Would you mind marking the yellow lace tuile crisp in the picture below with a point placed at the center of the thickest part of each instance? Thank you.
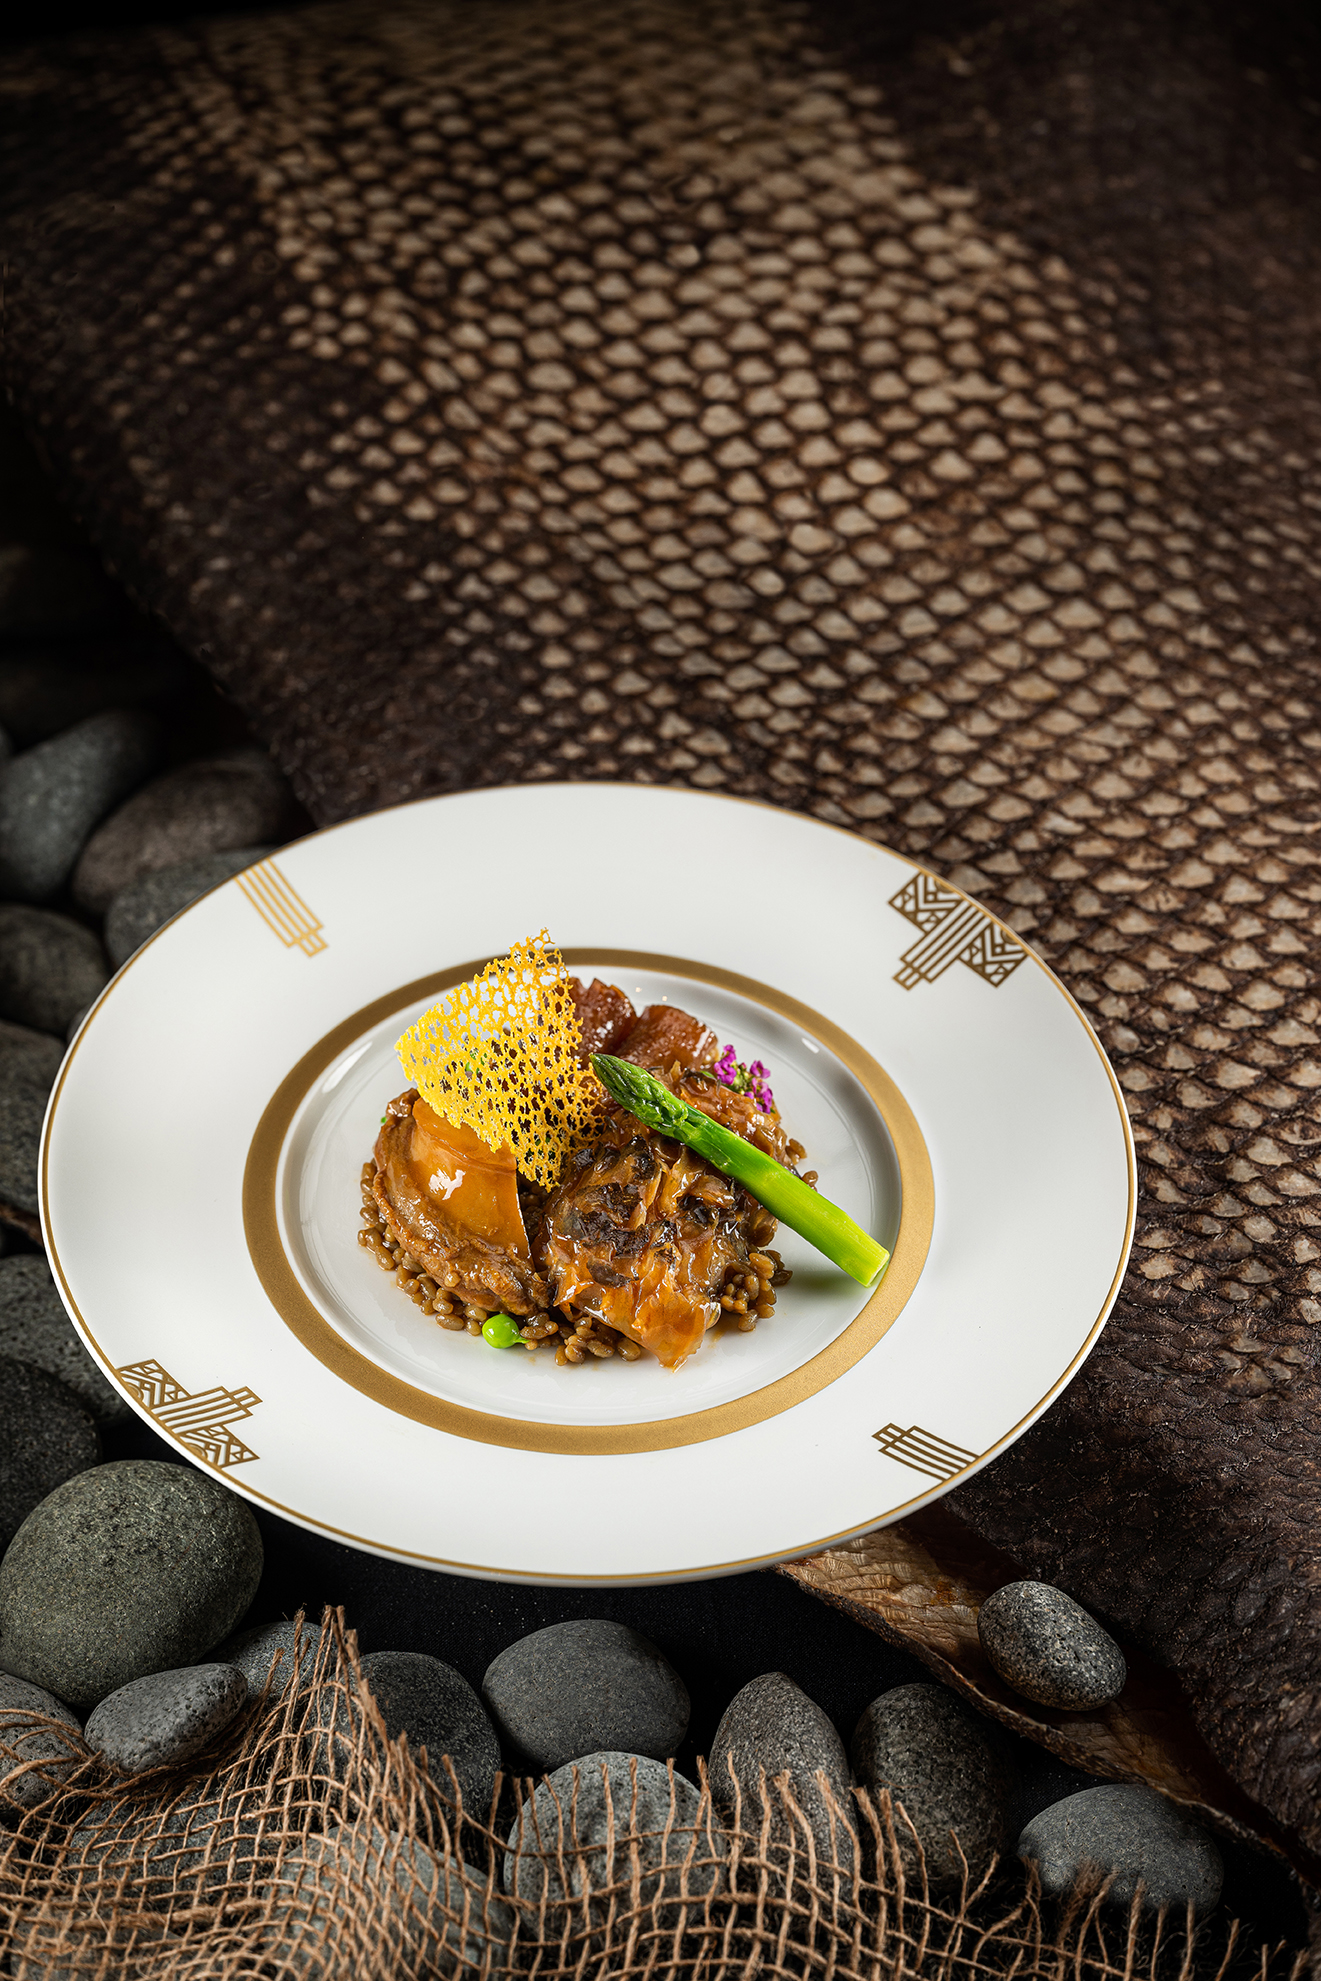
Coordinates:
(500, 1055)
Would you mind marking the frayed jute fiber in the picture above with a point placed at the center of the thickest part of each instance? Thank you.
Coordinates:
(309, 1844)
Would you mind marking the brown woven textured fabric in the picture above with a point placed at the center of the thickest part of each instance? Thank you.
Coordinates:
(521, 392)
(284, 1853)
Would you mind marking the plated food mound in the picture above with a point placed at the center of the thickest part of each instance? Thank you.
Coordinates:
(511, 1195)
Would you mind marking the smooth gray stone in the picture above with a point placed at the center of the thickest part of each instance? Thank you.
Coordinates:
(82, 1943)
(134, 1567)
(567, 1823)
(772, 1726)
(186, 1840)
(53, 794)
(212, 1840)
(34, 1328)
(212, 806)
(23, 1739)
(167, 1716)
(29, 1062)
(146, 905)
(438, 1710)
(1131, 1835)
(935, 1759)
(51, 967)
(585, 1687)
(1049, 1649)
(46, 1436)
(334, 1881)
(270, 1650)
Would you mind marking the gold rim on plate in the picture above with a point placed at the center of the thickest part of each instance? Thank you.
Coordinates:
(804, 1545)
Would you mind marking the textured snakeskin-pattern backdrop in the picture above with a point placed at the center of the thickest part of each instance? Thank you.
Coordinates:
(523, 392)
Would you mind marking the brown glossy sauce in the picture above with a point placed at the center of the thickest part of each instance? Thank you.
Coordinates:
(475, 1188)
(642, 1236)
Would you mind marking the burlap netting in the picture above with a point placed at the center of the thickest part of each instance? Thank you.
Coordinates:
(601, 390)
(309, 1845)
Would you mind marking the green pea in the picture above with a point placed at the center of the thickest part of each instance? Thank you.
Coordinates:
(501, 1330)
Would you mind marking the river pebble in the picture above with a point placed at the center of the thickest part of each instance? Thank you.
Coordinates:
(137, 1566)
(772, 1726)
(47, 1435)
(1049, 1649)
(185, 1840)
(438, 1710)
(29, 1062)
(583, 1687)
(73, 1947)
(146, 905)
(34, 1328)
(623, 1803)
(52, 795)
(51, 967)
(167, 1716)
(332, 1887)
(212, 806)
(271, 1650)
(936, 1759)
(1132, 1836)
(23, 1740)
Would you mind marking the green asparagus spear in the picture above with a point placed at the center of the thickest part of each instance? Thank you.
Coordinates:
(785, 1195)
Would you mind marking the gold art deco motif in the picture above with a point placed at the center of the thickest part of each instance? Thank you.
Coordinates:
(954, 930)
(200, 1422)
(282, 908)
(922, 1451)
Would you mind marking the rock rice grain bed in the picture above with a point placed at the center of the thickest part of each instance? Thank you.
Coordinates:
(748, 1296)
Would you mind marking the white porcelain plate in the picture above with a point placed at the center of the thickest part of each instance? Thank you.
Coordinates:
(203, 1146)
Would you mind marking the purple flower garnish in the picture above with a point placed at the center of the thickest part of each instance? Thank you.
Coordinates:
(754, 1079)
